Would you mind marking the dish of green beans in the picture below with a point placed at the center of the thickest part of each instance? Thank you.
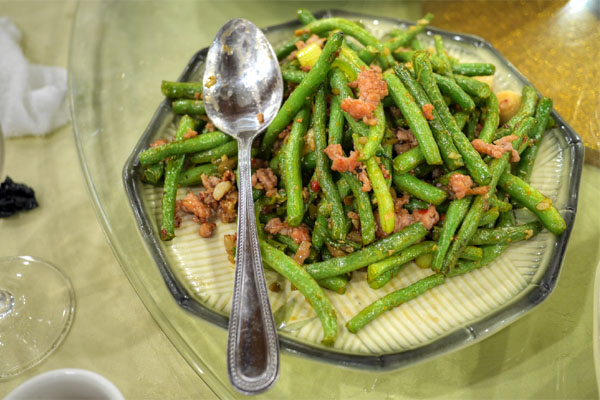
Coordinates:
(350, 236)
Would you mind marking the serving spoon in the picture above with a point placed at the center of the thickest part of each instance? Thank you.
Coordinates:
(242, 93)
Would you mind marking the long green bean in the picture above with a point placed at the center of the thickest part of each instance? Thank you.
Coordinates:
(201, 142)
(534, 200)
(292, 175)
(172, 170)
(368, 255)
(309, 288)
(323, 165)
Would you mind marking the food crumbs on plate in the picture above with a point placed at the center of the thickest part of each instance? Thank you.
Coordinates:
(260, 117)
(274, 287)
(211, 81)
(299, 120)
(428, 111)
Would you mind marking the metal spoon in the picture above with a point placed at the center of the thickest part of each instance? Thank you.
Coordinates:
(243, 89)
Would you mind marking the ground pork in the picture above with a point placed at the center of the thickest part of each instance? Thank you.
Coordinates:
(362, 176)
(428, 217)
(300, 233)
(461, 185)
(158, 142)
(428, 111)
(302, 253)
(204, 206)
(403, 218)
(190, 134)
(341, 163)
(406, 140)
(372, 88)
(265, 178)
(206, 229)
(499, 147)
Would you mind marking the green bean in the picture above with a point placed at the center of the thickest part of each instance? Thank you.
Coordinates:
(335, 283)
(293, 246)
(534, 200)
(441, 54)
(336, 121)
(226, 149)
(416, 44)
(450, 88)
(368, 255)
(306, 88)
(363, 204)
(390, 263)
(193, 145)
(404, 38)
(293, 75)
(472, 253)
(193, 176)
(187, 106)
(489, 217)
(172, 170)
(414, 116)
(319, 231)
(474, 69)
(528, 101)
(454, 216)
(382, 279)
(478, 170)
(375, 135)
(309, 161)
(385, 203)
(292, 175)
(416, 204)
(508, 234)
(286, 48)
(349, 62)
(343, 187)
(305, 16)
(309, 288)
(392, 300)
(473, 87)
(408, 160)
(177, 90)
(501, 205)
(461, 119)
(323, 167)
(153, 173)
(542, 115)
(403, 56)
(475, 213)
(420, 189)
(471, 129)
(452, 159)
(492, 118)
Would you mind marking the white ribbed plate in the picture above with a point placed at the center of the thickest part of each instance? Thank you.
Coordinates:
(463, 309)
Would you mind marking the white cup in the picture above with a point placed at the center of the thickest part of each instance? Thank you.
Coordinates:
(66, 383)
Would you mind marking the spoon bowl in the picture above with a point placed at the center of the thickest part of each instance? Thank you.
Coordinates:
(242, 93)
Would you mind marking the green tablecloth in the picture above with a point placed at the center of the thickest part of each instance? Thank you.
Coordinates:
(546, 354)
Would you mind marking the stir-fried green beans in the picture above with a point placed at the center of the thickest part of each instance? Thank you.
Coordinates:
(372, 163)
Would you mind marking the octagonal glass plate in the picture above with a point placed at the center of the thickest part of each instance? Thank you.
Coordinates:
(187, 282)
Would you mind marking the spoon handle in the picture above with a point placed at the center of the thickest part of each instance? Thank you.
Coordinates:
(252, 345)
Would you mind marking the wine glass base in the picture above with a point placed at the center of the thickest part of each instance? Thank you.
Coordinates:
(37, 304)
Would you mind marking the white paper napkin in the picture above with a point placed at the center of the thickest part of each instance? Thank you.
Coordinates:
(32, 96)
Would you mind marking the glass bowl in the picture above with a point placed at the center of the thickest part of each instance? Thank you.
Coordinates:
(117, 60)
